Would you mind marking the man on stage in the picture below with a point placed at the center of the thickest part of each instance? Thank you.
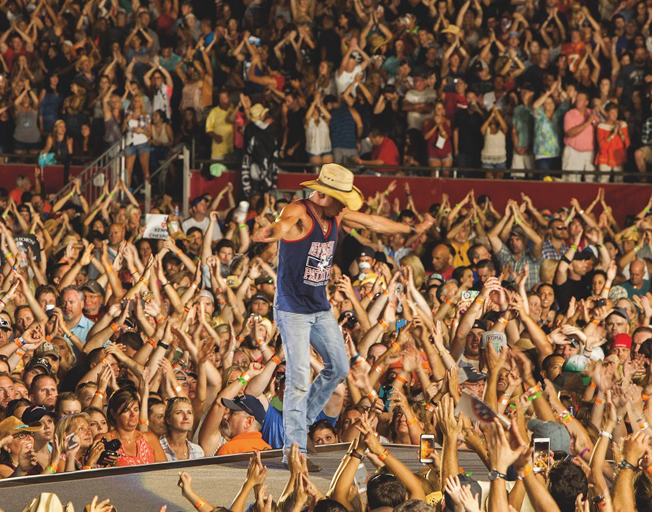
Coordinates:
(307, 230)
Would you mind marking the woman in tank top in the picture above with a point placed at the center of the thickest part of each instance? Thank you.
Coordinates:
(162, 139)
(124, 415)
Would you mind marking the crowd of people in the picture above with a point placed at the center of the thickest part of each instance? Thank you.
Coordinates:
(475, 84)
(119, 350)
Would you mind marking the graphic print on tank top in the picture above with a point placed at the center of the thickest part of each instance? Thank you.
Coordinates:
(318, 264)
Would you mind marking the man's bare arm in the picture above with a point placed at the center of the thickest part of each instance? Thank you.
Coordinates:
(378, 224)
(285, 222)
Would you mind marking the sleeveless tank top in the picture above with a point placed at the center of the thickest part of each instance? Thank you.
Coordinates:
(304, 267)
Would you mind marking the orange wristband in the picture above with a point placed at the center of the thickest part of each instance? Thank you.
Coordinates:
(401, 379)
(383, 456)
(276, 360)
(114, 327)
(382, 323)
(412, 421)
(396, 347)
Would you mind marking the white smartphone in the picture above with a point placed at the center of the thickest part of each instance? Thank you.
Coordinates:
(541, 455)
(426, 448)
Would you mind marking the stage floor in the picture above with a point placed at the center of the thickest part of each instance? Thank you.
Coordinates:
(217, 479)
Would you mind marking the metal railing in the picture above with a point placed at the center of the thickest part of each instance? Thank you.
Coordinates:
(160, 174)
(109, 166)
(454, 172)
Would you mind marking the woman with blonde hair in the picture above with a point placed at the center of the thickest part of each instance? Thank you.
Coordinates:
(179, 420)
(418, 272)
(75, 442)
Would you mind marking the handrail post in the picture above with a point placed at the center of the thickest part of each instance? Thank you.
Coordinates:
(148, 195)
(186, 181)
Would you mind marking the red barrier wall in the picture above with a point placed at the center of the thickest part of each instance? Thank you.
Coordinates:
(624, 199)
(52, 175)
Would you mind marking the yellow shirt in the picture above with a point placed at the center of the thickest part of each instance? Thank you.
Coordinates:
(461, 259)
(217, 122)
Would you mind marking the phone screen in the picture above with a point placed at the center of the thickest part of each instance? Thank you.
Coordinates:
(541, 455)
(426, 447)
(385, 393)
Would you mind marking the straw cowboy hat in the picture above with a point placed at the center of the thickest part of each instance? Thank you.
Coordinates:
(258, 112)
(48, 502)
(13, 426)
(337, 182)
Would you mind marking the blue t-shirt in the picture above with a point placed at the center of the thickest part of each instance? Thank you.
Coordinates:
(273, 432)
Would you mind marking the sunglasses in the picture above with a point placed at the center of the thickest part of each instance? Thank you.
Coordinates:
(561, 228)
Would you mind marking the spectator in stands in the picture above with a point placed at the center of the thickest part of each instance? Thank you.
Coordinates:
(613, 142)
(345, 128)
(467, 131)
(494, 151)
(579, 135)
(384, 152)
(139, 132)
(318, 138)
(438, 134)
(219, 126)
(548, 117)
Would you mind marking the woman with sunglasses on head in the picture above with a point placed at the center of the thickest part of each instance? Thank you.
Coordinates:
(74, 438)
(124, 416)
(179, 421)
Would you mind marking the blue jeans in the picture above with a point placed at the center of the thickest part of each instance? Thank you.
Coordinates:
(303, 401)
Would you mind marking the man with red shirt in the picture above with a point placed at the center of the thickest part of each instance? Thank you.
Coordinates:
(19, 44)
(384, 152)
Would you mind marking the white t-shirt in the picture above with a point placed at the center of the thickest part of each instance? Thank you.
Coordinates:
(190, 222)
(344, 79)
(416, 119)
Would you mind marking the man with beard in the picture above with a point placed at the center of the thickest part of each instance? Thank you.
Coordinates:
(244, 418)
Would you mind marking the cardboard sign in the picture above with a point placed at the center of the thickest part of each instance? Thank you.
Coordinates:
(156, 226)
(25, 241)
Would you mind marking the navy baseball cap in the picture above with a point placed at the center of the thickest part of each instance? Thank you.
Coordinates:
(246, 403)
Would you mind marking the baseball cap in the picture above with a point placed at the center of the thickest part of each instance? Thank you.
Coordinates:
(34, 413)
(620, 312)
(197, 200)
(436, 277)
(367, 251)
(558, 434)
(517, 231)
(246, 403)
(4, 324)
(259, 296)
(94, 287)
(583, 255)
(479, 324)
(576, 363)
(40, 362)
(47, 349)
(622, 340)
(208, 295)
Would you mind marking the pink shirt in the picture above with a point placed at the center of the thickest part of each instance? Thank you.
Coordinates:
(584, 141)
